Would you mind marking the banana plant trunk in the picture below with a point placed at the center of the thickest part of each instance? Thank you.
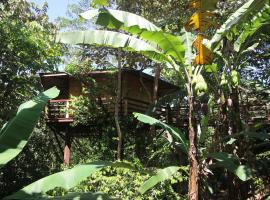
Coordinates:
(193, 189)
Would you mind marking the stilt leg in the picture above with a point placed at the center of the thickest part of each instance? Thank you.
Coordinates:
(67, 148)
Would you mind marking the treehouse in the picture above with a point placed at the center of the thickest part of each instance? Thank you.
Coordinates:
(136, 92)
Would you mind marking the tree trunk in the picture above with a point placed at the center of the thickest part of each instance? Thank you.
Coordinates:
(193, 190)
(116, 110)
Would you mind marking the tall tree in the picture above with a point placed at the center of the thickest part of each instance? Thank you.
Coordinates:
(26, 49)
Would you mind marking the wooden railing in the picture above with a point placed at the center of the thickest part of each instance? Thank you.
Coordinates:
(130, 105)
(58, 111)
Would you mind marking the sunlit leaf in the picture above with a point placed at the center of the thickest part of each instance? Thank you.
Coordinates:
(66, 179)
(141, 27)
(114, 40)
(231, 163)
(172, 130)
(187, 39)
(100, 3)
(161, 175)
(261, 19)
(238, 18)
(14, 134)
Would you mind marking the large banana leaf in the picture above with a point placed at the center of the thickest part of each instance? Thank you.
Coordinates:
(71, 196)
(137, 25)
(65, 179)
(14, 134)
(260, 19)
(116, 19)
(237, 19)
(187, 38)
(161, 175)
(176, 133)
(231, 163)
(114, 40)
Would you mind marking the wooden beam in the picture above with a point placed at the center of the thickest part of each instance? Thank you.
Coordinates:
(67, 148)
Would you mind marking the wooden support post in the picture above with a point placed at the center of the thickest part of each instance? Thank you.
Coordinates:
(67, 110)
(125, 107)
(168, 114)
(67, 148)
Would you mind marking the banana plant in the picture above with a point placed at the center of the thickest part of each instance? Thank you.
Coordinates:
(15, 133)
(141, 36)
(66, 179)
(221, 159)
(170, 48)
(249, 17)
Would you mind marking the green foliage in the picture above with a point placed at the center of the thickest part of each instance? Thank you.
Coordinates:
(160, 176)
(137, 25)
(116, 19)
(100, 3)
(256, 23)
(15, 133)
(230, 162)
(187, 38)
(111, 39)
(236, 20)
(124, 184)
(27, 47)
(172, 130)
(65, 179)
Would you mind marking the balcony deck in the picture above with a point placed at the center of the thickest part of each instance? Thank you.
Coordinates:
(59, 111)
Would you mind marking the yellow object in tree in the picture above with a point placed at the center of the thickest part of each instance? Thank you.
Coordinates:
(204, 55)
(200, 21)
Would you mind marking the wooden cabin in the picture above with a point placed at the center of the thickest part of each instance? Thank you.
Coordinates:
(136, 96)
(136, 91)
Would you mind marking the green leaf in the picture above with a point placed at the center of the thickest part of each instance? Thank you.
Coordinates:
(260, 19)
(72, 196)
(66, 179)
(204, 128)
(161, 175)
(211, 68)
(238, 18)
(176, 133)
(231, 163)
(117, 19)
(260, 135)
(114, 40)
(14, 134)
(100, 3)
(137, 25)
(231, 141)
(168, 43)
(243, 172)
(187, 39)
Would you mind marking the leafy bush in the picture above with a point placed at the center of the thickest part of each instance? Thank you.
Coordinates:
(124, 184)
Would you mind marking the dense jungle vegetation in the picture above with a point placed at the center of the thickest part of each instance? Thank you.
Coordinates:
(215, 51)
